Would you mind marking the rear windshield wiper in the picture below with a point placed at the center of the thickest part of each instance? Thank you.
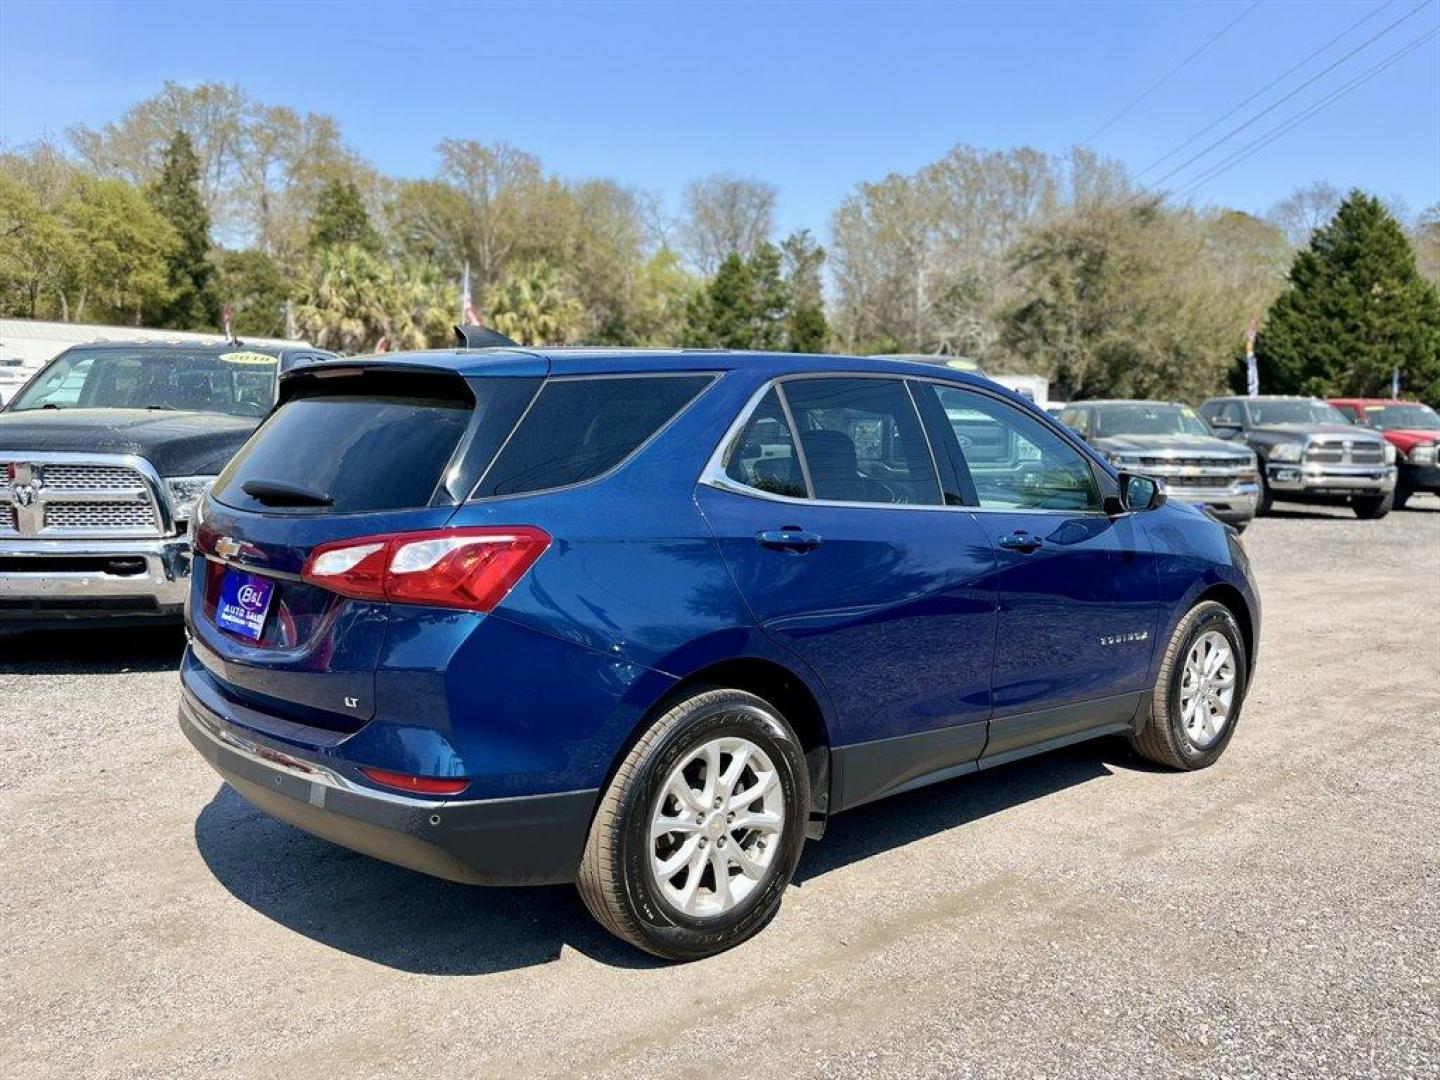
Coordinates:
(280, 493)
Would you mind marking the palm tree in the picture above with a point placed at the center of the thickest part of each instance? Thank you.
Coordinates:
(532, 306)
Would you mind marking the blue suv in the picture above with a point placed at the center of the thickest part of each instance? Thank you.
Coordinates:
(644, 620)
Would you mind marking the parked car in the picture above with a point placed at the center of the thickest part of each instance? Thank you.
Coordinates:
(1309, 452)
(1413, 428)
(645, 621)
(102, 456)
(1167, 440)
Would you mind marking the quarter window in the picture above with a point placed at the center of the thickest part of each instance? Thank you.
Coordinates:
(764, 457)
(578, 429)
(1015, 461)
(862, 441)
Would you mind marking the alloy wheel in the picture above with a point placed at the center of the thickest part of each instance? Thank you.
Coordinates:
(717, 826)
(1207, 689)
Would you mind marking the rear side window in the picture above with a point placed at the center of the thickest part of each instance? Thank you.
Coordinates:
(862, 441)
(363, 452)
(764, 457)
(578, 429)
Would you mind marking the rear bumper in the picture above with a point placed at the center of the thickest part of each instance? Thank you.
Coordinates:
(62, 581)
(1304, 479)
(530, 840)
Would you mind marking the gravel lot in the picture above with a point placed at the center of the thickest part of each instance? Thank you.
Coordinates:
(1079, 914)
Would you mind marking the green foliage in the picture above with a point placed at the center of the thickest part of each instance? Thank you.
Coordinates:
(1356, 309)
(341, 218)
(806, 330)
(743, 306)
(176, 196)
(254, 286)
(533, 307)
(350, 300)
(1133, 301)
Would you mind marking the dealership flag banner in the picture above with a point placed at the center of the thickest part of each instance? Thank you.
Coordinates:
(1252, 369)
(1395, 383)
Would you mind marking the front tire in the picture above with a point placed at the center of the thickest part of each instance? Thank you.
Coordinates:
(699, 832)
(1372, 507)
(1199, 693)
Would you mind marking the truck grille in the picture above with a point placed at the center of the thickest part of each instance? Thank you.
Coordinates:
(1196, 472)
(1345, 452)
(90, 478)
(56, 496)
(99, 516)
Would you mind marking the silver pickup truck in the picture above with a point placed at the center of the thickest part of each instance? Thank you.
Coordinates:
(1167, 440)
(103, 454)
(1309, 452)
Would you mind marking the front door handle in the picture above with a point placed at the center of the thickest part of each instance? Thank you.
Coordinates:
(1021, 541)
(789, 538)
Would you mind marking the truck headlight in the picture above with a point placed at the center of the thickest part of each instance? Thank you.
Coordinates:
(185, 492)
(1423, 455)
(1389, 452)
(1285, 452)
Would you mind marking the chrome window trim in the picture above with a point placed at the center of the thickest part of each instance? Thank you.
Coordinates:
(714, 476)
(151, 484)
(713, 376)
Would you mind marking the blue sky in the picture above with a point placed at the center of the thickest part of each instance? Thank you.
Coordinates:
(812, 97)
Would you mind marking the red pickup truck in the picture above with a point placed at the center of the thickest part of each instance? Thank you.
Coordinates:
(1413, 428)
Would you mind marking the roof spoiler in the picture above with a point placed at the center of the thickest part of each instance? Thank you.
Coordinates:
(470, 336)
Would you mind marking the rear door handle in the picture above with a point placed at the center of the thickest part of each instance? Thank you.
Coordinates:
(1021, 541)
(789, 538)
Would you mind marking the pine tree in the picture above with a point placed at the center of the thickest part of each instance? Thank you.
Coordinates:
(1356, 310)
(176, 195)
(805, 328)
(341, 218)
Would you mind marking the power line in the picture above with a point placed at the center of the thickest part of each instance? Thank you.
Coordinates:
(1264, 140)
(1168, 75)
(1282, 100)
(1263, 90)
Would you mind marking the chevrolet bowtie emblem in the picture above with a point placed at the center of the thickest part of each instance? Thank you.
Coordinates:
(227, 547)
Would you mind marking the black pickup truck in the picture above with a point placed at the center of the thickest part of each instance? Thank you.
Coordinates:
(103, 455)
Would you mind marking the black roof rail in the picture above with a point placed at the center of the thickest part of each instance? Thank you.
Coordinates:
(470, 336)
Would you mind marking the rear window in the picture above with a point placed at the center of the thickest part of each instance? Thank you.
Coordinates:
(365, 452)
(578, 429)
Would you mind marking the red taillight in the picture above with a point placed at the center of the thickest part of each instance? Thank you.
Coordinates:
(420, 785)
(461, 568)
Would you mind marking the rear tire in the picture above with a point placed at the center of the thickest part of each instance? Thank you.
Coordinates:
(674, 819)
(1372, 507)
(1187, 728)
(1403, 491)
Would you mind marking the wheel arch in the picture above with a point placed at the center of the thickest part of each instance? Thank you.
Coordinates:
(797, 700)
(1233, 599)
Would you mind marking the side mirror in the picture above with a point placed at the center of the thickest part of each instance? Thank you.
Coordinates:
(1140, 492)
(1225, 429)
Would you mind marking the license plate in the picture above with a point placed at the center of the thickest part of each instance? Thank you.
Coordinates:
(244, 602)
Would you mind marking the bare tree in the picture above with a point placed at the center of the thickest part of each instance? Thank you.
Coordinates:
(726, 215)
(1304, 210)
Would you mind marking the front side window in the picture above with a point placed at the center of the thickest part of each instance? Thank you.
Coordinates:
(237, 383)
(1079, 419)
(1294, 411)
(1015, 461)
(578, 429)
(763, 456)
(862, 441)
